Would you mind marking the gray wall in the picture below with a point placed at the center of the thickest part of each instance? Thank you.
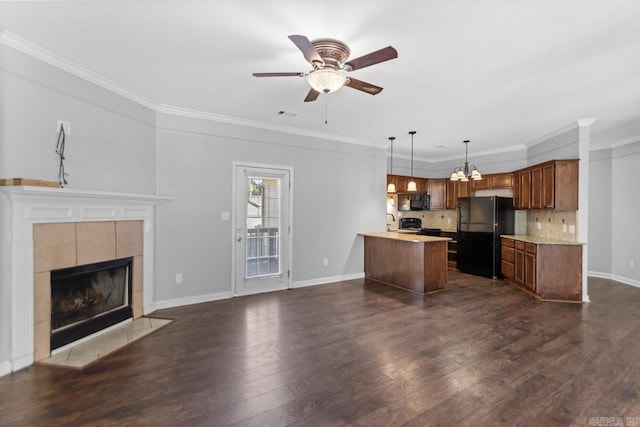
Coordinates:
(338, 191)
(625, 205)
(112, 141)
(600, 209)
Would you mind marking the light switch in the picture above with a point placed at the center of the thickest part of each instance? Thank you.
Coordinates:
(572, 229)
(225, 216)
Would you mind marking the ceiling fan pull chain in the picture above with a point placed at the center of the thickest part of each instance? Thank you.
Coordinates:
(326, 109)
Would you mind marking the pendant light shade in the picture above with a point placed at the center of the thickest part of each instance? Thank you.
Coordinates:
(411, 186)
(391, 187)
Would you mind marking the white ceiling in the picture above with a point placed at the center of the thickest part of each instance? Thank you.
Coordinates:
(498, 72)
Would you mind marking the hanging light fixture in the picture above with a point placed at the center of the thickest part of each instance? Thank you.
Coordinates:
(463, 173)
(326, 80)
(391, 188)
(412, 183)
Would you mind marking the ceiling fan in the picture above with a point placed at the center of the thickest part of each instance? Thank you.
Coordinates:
(328, 56)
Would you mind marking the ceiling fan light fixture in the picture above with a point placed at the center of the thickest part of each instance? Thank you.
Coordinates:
(326, 80)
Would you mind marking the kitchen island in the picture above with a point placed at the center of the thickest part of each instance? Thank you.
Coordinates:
(408, 261)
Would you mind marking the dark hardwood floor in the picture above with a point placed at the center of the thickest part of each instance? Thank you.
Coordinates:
(359, 353)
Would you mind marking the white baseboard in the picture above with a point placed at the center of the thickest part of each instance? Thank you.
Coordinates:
(325, 280)
(178, 302)
(5, 367)
(615, 277)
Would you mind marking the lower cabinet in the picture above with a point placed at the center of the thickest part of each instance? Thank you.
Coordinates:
(552, 271)
(452, 249)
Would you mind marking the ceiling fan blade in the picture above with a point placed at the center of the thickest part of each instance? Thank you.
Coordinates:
(312, 95)
(307, 49)
(278, 74)
(372, 58)
(363, 86)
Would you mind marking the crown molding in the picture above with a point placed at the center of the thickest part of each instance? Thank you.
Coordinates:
(35, 51)
(18, 43)
(203, 115)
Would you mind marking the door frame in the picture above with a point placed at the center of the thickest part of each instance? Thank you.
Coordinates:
(289, 264)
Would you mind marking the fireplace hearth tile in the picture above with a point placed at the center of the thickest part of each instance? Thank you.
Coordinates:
(88, 352)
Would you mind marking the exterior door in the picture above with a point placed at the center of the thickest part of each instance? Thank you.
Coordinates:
(262, 235)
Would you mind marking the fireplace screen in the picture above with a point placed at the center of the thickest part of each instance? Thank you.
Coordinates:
(82, 296)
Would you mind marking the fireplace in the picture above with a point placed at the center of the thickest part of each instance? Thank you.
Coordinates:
(89, 298)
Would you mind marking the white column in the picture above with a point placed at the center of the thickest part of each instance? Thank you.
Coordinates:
(584, 139)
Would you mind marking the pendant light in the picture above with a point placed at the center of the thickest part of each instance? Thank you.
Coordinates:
(391, 188)
(412, 183)
(463, 173)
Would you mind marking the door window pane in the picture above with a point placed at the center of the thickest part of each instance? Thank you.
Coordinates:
(263, 226)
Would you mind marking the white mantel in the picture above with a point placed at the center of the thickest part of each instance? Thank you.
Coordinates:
(20, 208)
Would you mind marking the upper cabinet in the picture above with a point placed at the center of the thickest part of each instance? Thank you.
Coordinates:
(437, 190)
(550, 185)
(491, 181)
(456, 189)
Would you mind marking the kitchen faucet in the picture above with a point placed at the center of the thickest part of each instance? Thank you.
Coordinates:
(392, 217)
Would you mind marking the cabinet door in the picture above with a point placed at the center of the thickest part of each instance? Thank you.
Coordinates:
(530, 270)
(483, 184)
(454, 190)
(501, 180)
(437, 191)
(401, 184)
(422, 185)
(517, 196)
(518, 266)
(548, 186)
(536, 188)
(525, 190)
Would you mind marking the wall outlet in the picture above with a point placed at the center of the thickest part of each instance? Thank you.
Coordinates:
(572, 229)
(564, 228)
(538, 225)
(325, 261)
(179, 278)
(65, 125)
(632, 264)
(225, 216)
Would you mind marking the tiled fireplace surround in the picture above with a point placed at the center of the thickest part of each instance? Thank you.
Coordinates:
(72, 244)
(43, 229)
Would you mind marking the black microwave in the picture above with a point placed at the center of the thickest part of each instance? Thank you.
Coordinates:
(413, 202)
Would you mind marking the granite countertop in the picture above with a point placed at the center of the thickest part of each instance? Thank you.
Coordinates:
(405, 236)
(540, 240)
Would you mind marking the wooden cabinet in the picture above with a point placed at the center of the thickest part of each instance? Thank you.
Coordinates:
(530, 266)
(493, 181)
(551, 271)
(536, 188)
(452, 249)
(508, 258)
(421, 183)
(549, 185)
(437, 188)
(401, 183)
(454, 190)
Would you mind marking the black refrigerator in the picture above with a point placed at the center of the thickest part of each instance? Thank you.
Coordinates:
(481, 221)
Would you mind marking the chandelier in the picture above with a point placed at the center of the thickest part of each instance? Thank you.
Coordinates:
(463, 173)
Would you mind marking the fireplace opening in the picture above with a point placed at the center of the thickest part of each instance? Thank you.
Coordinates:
(89, 298)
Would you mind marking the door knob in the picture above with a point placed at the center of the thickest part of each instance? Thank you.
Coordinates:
(239, 239)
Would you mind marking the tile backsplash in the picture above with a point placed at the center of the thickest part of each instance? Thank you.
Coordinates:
(552, 224)
(540, 223)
